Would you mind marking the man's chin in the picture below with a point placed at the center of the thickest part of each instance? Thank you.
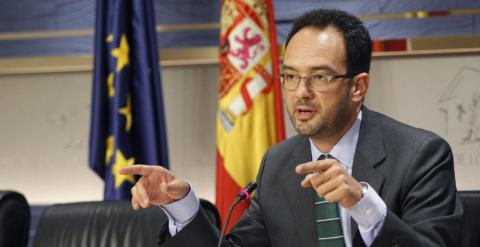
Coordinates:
(304, 129)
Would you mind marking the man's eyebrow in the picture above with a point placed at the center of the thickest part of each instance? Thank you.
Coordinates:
(320, 67)
(284, 67)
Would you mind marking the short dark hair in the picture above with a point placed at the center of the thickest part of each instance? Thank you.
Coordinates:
(358, 44)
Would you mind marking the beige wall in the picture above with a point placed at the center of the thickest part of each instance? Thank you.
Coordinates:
(44, 132)
(45, 118)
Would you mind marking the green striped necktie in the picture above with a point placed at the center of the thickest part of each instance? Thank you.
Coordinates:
(329, 224)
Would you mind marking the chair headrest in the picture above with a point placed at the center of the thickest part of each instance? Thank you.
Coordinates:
(99, 224)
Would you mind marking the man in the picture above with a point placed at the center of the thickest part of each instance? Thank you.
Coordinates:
(385, 183)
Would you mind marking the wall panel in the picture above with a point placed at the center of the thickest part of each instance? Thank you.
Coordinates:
(45, 119)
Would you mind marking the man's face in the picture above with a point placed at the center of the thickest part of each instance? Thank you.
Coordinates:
(318, 114)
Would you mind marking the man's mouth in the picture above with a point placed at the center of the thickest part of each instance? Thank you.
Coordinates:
(304, 114)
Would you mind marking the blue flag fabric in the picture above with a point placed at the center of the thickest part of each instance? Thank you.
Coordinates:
(127, 119)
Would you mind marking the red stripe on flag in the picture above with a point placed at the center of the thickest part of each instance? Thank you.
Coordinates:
(246, 95)
(227, 191)
(280, 126)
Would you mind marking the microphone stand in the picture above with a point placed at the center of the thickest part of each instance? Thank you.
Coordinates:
(242, 195)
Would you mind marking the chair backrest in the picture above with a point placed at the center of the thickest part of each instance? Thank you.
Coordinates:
(14, 219)
(471, 219)
(212, 212)
(105, 224)
(99, 224)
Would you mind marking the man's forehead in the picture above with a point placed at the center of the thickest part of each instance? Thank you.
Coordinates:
(310, 39)
(315, 49)
(321, 34)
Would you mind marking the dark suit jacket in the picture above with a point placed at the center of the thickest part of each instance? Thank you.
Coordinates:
(411, 169)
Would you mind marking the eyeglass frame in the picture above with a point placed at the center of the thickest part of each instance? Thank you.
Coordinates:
(307, 79)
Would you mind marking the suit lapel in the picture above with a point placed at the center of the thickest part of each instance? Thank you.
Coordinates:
(368, 155)
(300, 200)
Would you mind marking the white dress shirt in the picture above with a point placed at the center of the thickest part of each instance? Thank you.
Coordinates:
(370, 212)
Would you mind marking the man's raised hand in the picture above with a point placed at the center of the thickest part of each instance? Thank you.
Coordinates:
(157, 186)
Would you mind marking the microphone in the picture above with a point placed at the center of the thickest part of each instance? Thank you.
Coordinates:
(242, 195)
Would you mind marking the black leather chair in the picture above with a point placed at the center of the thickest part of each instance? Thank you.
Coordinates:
(212, 212)
(14, 219)
(104, 224)
(471, 220)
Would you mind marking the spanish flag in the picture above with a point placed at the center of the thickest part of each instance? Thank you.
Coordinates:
(250, 116)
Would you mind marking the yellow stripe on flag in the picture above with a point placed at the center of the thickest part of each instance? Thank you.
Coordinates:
(250, 116)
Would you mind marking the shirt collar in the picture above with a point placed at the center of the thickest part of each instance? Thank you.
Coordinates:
(344, 150)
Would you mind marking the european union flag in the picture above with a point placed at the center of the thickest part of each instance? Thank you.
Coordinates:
(127, 120)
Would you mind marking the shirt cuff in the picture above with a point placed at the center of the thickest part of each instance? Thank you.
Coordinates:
(370, 211)
(181, 212)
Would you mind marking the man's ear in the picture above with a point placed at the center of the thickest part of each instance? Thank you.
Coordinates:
(360, 86)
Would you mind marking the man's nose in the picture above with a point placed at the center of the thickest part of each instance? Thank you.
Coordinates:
(303, 90)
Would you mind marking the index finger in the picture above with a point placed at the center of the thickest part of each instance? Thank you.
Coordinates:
(314, 166)
(137, 170)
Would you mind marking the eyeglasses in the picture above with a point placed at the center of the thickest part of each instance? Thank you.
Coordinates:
(316, 82)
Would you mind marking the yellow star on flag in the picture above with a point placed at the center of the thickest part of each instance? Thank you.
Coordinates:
(109, 149)
(121, 162)
(127, 112)
(111, 88)
(109, 38)
(121, 53)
